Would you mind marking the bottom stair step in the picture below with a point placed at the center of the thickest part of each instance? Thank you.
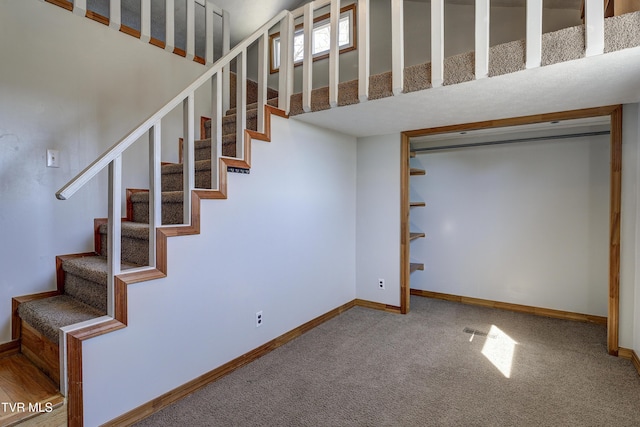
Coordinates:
(48, 315)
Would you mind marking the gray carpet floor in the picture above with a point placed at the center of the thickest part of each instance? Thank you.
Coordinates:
(371, 368)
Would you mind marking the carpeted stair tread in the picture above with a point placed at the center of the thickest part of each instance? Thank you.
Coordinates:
(92, 268)
(177, 168)
(135, 242)
(134, 230)
(48, 315)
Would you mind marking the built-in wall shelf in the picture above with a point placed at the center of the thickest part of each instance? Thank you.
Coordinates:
(416, 171)
(414, 266)
(414, 236)
(417, 204)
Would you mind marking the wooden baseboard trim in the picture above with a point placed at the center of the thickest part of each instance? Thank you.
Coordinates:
(627, 353)
(378, 306)
(62, 3)
(145, 410)
(546, 312)
(16, 322)
(9, 348)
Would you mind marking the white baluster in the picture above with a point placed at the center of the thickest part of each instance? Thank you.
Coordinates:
(155, 188)
(263, 75)
(363, 50)
(188, 171)
(114, 229)
(170, 26)
(534, 33)
(285, 84)
(80, 7)
(191, 32)
(145, 20)
(307, 61)
(397, 46)
(334, 54)
(482, 38)
(226, 71)
(594, 27)
(241, 102)
(437, 43)
(208, 31)
(115, 12)
(216, 128)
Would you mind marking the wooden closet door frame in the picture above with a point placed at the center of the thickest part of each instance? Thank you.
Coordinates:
(615, 114)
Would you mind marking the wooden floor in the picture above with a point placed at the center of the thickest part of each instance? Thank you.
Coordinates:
(26, 392)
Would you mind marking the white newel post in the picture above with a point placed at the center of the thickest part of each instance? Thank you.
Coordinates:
(397, 46)
(307, 61)
(188, 154)
(363, 50)
(594, 27)
(145, 20)
(170, 29)
(437, 43)
(115, 11)
(334, 53)
(155, 188)
(534, 33)
(482, 38)
(114, 229)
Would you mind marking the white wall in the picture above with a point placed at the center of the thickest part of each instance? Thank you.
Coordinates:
(519, 223)
(283, 242)
(378, 219)
(74, 85)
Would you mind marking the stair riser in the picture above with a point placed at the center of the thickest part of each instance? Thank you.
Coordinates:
(134, 251)
(173, 181)
(229, 125)
(171, 213)
(204, 152)
(87, 291)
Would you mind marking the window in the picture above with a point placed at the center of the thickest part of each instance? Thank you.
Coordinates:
(321, 38)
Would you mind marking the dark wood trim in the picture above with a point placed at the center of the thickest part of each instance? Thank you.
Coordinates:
(317, 19)
(180, 52)
(203, 132)
(41, 352)
(9, 348)
(62, 3)
(378, 306)
(538, 311)
(130, 31)
(184, 390)
(75, 338)
(199, 59)
(629, 354)
(615, 112)
(97, 17)
(636, 361)
(614, 230)
(129, 193)
(405, 234)
(157, 42)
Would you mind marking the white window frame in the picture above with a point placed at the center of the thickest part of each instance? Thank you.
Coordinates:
(346, 13)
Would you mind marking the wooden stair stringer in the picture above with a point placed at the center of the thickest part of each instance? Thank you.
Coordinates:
(75, 338)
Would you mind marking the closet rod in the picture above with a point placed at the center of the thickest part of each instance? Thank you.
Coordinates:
(510, 141)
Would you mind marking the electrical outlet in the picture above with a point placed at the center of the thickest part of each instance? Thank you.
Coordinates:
(259, 319)
(380, 283)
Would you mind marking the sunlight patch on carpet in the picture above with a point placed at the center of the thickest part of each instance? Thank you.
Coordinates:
(498, 349)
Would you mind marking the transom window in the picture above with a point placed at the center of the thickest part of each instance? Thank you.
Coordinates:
(321, 38)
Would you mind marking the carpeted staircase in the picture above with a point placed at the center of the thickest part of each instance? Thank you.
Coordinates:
(83, 295)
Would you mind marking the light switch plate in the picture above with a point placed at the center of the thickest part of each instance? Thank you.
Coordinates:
(53, 159)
